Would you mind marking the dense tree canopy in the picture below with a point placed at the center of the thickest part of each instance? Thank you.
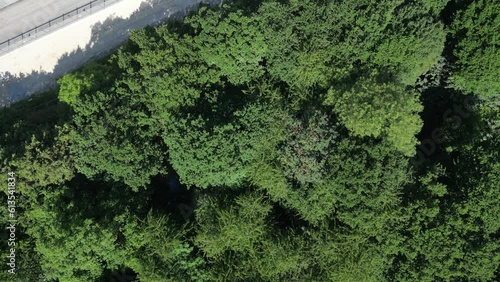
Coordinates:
(268, 141)
(477, 49)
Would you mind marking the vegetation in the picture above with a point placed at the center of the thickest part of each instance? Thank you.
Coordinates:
(268, 141)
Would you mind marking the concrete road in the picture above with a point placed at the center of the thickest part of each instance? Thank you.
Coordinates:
(5, 3)
(17, 16)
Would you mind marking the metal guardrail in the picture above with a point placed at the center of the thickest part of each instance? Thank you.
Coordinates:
(54, 24)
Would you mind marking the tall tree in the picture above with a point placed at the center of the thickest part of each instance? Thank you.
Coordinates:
(379, 109)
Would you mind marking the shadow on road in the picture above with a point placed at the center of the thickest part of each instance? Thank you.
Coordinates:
(106, 37)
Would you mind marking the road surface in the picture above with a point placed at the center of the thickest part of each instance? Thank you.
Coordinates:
(17, 16)
(5, 3)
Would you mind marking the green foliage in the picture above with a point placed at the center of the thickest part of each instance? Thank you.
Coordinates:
(367, 184)
(68, 260)
(45, 162)
(107, 138)
(233, 44)
(371, 108)
(436, 6)
(292, 167)
(289, 125)
(296, 44)
(236, 228)
(322, 42)
(304, 155)
(157, 251)
(453, 210)
(346, 257)
(90, 78)
(452, 241)
(478, 54)
(207, 154)
(99, 150)
(416, 41)
(162, 72)
(240, 245)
